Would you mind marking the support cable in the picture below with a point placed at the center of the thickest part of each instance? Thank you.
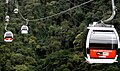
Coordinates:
(6, 15)
(62, 12)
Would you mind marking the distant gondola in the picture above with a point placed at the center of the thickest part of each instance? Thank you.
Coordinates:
(8, 36)
(24, 29)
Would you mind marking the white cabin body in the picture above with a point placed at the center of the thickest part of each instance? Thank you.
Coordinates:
(102, 45)
(8, 36)
(24, 29)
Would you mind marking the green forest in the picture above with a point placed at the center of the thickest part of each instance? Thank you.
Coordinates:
(55, 43)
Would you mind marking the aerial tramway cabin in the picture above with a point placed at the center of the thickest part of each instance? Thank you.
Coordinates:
(8, 36)
(102, 44)
(24, 29)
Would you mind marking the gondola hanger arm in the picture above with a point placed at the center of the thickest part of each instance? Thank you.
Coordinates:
(113, 12)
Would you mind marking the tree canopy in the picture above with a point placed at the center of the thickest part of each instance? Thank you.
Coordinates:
(56, 43)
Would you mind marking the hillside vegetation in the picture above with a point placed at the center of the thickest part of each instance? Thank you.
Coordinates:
(56, 43)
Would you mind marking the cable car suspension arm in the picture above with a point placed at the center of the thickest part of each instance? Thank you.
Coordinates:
(113, 12)
(6, 26)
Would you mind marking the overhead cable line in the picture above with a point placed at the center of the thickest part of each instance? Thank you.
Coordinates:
(62, 12)
(6, 15)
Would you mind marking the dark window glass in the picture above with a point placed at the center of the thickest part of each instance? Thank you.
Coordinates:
(103, 46)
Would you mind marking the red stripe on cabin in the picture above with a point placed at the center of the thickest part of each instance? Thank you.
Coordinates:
(7, 38)
(98, 53)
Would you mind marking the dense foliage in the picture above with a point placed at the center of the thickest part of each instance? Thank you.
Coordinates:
(53, 44)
